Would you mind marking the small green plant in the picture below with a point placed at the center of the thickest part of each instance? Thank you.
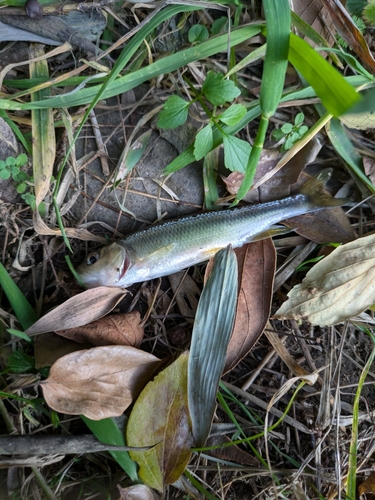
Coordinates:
(11, 168)
(214, 95)
(289, 133)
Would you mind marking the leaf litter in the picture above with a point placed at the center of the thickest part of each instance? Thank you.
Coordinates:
(248, 352)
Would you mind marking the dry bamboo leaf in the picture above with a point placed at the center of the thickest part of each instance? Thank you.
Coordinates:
(117, 329)
(98, 383)
(81, 234)
(43, 129)
(256, 269)
(338, 287)
(160, 419)
(81, 309)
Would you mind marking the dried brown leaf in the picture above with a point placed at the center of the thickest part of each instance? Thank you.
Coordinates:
(338, 287)
(79, 310)
(350, 33)
(256, 269)
(49, 347)
(283, 182)
(98, 383)
(316, 16)
(232, 453)
(186, 293)
(117, 329)
(136, 492)
(369, 166)
(323, 226)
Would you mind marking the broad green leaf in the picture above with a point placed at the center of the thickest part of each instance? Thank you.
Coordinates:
(198, 33)
(20, 305)
(277, 14)
(218, 90)
(174, 113)
(236, 153)
(219, 25)
(338, 287)
(233, 115)
(160, 418)
(336, 94)
(211, 333)
(203, 142)
(108, 432)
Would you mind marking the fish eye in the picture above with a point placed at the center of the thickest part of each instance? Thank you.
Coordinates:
(92, 258)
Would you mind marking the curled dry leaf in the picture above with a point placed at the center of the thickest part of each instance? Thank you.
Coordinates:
(338, 287)
(256, 269)
(117, 329)
(100, 382)
(160, 419)
(136, 492)
(81, 309)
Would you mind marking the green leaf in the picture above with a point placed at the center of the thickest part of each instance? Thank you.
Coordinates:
(219, 25)
(108, 432)
(336, 94)
(4, 174)
(21, 188)
(211, 333)
(10, 161)
(278, 134)
(160, 419)
(203, 142)
(218, 90)
(302, 130)
(233, 115)
(19, 334)
(236, 153)
(355, 7)
(174, 113)
(20, 362)
(298, 120)
(2, 164)
(21, 307)
(21, 160)
(287, 128)
(198, 33)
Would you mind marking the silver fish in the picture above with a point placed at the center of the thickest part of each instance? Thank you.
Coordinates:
(172, 246)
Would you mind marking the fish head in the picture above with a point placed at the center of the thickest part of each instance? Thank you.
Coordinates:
(104, 267)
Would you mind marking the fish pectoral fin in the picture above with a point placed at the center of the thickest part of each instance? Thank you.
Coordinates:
(271, 232)
(160, 253)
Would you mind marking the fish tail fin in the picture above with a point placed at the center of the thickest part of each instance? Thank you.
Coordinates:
(314, 192)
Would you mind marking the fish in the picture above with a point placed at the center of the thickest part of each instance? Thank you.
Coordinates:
(172, 246)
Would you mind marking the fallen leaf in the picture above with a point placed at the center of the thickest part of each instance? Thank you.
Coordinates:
(100, 382)
(283, 182)
(327, 225)
(160, 418)
(209, 343)
(117, 329)
(49, 347)
(338, 287)
(81, 309)
(316, 16)
(233, 453)
(256, 269)
(359, 121)
(136, 492)
(367, 487)
(186, 293)
(369, 166)
(350, 33)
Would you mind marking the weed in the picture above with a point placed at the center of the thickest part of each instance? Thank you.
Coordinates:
(289, 134)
